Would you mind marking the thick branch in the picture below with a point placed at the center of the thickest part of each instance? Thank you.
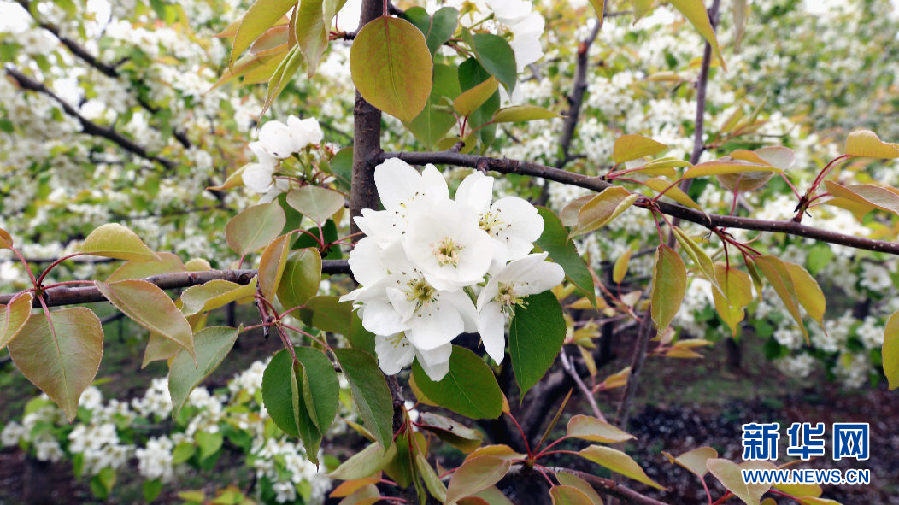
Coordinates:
(88, 126)
(509, 166)
(70, 295)
(610, 487)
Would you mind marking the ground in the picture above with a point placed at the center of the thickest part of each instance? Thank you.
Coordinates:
(710, 405)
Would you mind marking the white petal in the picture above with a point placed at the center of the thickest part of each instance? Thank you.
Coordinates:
(531, 275)
(433, 325)
(465, 306)
(394, 353)
(262, 155)
(476, 191)
(384, 226)
(380, 318)
(275, 138)
(397, 182)
(433, 184)
(519, 225)
(435, 362)
(492, 328)
(365, 262)
(257, 177)
(304, 132)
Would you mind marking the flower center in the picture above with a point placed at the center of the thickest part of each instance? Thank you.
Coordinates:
(490, 222)
(505, 296)
(447, 252)
(420, 293)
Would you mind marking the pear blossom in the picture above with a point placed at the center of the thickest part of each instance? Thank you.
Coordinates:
(426, 257)
(506, 289)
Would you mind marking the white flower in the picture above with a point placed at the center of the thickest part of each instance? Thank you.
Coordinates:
(507, 288)
(512, 222)
(258, 176)
(275, 139)
(395, 353)
(875, 277)
(446, 244)
(303, 132)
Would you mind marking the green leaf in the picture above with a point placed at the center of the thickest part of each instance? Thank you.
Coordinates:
(315, 202)
(391, 66)
(497, 57)
(471, 73)
(618, 462)
(603, 208)
(370, 392)
(568, 495)
(891, 350)
(561, 249)
(536, 334)
(62, 360)
(735, 295)
(254, 227)
(14, 316)
(619, 269)
(695, 12)
(476, 474)
(282, 76)
(867, 144)
(523, 113)
(659, 184)
(102, 483)
(807, 291)
(472, 98)
(429, 476)
(212, 344)
(632, 147)
(436, 120)
(116, 241)
(152, 489)
(469, 388)
(159, 348)
(437, 28)
(365, 462)
(595, 430)
(271, 266)
(261, 16)
(698, 256)
(311, 32)
(359, 337)
(669, 285)
(302, 275)
(320, 386)
(209, 443)
(459, 436)
(328, 313)
(214, 294)
(149, 306)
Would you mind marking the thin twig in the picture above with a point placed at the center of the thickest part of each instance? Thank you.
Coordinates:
(568, 366)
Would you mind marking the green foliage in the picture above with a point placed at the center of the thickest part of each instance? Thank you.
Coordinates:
(469, 388)
(536, 334)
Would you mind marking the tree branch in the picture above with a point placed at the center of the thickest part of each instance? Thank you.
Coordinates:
(104, 68)
(69, 295)
(88, 126)
(710, 221)
(610, 487)
(641, 344)
(568, 366)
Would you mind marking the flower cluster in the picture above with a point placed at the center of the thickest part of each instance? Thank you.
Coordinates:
(277, 141)
(432, 267)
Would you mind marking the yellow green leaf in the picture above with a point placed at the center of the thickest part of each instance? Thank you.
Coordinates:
(61, 359)
(669, 285)
(729, 474)
(521, 113)
(151, 308)
(301, 278)
(867, 144)
(699, 257)
(234, 180)
(6, 241)
(777, 274)
(800, 490)
(271, 265)
(727, 166)
(254, 227)
(349, 487)
(632, 147)
(595, 430)
(139, 269)
(598, 6)
(807, 291)
(282, 76)
(602, 208)
(116, 241)
(159, 348)
(315, 202)
(619, 270)
(736, 287)
(250, 63)
(879, 197)
(14, 316)
(476, 474)
(618, 462)
(214, 294)
(673, 192)
(567, 479)
(261, 16)
(472, 98)
(695, 12)
(187, 371)
(568, 495)
(391, 66)
(891, 350)
(694, 460)
(616, 380)
(311, 32)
